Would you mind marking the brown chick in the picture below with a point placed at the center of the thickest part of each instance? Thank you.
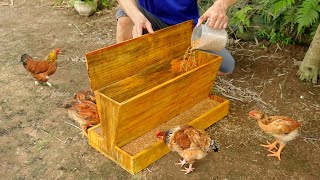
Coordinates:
(284, 129)
(83, 109)
(41, 69)
(85, 95)
(190, 143)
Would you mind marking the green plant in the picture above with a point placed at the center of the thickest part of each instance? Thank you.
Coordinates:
(241, 18)
(277, 20)
(274, 37)
(86, 1)
(292, 17)
(307, 14)
(105, 3)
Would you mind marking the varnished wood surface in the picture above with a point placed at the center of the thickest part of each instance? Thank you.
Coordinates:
(119, 61)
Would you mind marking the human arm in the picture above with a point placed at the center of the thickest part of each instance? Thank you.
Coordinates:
(217, 14)
(139, 20)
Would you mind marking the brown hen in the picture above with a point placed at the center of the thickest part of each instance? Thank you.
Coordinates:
(284, 129)
(190, 143)
(41, 69)
(83, 109)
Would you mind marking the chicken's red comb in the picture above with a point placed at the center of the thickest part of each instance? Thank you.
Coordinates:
(157, 133)
(58, 50)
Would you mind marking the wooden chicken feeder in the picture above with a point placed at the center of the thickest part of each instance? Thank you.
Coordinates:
(138, 87)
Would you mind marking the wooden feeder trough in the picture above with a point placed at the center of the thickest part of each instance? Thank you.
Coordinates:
(139, 89)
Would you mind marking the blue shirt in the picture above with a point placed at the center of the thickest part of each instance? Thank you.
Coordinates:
(172, 11)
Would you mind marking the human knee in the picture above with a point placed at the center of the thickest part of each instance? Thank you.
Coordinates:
(124, 22)
(228, 62)
(227, 65)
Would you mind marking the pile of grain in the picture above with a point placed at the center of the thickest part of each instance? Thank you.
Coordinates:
(185, 117)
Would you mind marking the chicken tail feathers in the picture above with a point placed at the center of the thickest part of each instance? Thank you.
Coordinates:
(214, 145)
(24, 59)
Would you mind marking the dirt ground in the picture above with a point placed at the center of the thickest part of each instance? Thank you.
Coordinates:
(39, 141)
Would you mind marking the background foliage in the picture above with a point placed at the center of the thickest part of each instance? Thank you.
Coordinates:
(285, 21)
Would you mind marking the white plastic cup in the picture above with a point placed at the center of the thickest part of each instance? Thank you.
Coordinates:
(209, 38)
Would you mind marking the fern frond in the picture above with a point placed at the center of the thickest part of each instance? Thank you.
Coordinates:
(281, 6)
(288, 25)
(241, 18)
(307, 14)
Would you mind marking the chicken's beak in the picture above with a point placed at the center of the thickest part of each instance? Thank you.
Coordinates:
(251, 114)
(160, 137)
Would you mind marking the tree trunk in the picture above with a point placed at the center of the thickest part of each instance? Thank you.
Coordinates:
(309, 69)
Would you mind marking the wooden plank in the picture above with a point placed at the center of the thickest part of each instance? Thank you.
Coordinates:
(146, 79)
(116, 62)
(148, 156)
(117, 155)
(213, 115)
(124, 159)
(157, 105)
(95, 138)
(108, 112)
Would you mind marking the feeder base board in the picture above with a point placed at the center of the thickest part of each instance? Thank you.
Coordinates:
(135, 163)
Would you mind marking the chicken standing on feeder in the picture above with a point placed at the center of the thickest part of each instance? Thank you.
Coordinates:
(190, 143)
(284, 129)
(41, 69)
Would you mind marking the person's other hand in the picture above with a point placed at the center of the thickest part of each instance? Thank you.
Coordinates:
(139, 25)
(216, 16)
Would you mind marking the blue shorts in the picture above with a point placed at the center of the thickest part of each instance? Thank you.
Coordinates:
(228, 62)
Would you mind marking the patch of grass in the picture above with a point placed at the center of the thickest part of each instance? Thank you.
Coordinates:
(42, 144)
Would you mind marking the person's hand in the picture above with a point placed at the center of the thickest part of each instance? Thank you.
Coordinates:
(216, 16)
(140, 24)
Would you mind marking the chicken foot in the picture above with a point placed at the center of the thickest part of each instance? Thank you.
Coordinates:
(181, 163)
(278, 153)
(271, 146)
(37, 83)
(188, 170)
(84, 130)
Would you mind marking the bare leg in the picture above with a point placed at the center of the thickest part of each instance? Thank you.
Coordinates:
(271, 146)
(124, 29)
(278, 153)
(84, 130)
(183, 162)
(222, 74)
(188, 170)
(49, 84)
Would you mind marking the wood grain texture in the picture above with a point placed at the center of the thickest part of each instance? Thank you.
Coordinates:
(116, 62)
(157, 105)
(108, 112)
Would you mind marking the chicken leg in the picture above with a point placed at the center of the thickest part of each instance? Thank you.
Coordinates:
(84, 130)
(278, 153)
(188, 170)
(271, 146)
(49, 84)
